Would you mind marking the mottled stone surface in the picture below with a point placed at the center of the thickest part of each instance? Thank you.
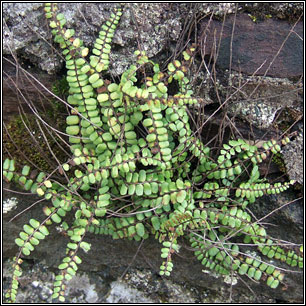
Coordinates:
(151, 25)
(258, 99)
(293, 155)
(109, 259)
(291, 11)
(137, 286)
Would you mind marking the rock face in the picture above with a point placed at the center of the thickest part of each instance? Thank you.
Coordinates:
(262, 98)
(109, 259)
(138, 286)
(152, 25)
(293, 156)
(156, 27)
(254, 45)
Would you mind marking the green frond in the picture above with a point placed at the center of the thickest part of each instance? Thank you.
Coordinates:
(137, 168)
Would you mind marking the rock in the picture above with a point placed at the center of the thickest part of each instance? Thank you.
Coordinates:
(261, 98)
(29, 89)
(265, 48)
(23, 29)
(288, 11)
(287, 222)
(152, 25)
(293, 156)
(109, 259)
(138, 286)
(37, 283)
(9, 204)
(121, 293)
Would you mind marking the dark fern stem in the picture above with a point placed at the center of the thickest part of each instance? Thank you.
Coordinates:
(137, 143)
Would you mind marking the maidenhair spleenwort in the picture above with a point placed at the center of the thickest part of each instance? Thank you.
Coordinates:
(137, 169)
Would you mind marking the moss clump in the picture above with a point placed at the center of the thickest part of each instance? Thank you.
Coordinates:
(20, 145)
(279, 161)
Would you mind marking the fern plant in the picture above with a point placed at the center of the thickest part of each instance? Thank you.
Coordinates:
(137, 168)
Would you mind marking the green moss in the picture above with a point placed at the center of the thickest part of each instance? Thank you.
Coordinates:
(279, 161)
(19, 144)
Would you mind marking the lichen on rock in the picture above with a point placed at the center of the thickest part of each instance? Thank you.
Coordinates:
(9, 204)
(293, 157)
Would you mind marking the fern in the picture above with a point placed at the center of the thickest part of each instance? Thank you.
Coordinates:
(134, 153)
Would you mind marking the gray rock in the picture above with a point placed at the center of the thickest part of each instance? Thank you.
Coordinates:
(108, 259)
(293, 154)
(121, 293)
(137, 286)
(150, 25)
(289, 10)
(24, 34)
(261, 98)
